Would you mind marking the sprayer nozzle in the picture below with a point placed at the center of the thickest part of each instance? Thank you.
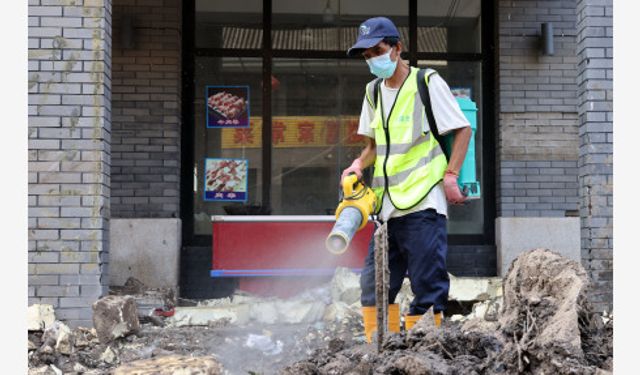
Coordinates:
(337, 243)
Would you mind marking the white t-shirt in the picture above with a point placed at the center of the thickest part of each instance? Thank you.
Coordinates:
(448, 116)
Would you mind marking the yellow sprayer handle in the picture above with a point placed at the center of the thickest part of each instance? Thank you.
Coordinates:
(348, 184)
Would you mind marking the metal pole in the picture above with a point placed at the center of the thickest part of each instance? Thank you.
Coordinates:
(381, 255)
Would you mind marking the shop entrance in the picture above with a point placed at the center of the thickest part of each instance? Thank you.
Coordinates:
(293, 98)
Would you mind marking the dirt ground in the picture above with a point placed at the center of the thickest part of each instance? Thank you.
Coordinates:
(545, 326)
(260, 349)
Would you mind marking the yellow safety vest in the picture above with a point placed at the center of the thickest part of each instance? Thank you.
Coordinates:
(409, 163)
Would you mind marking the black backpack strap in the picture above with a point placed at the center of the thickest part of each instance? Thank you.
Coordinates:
(426, 101)
(373, 88)
(376, 91)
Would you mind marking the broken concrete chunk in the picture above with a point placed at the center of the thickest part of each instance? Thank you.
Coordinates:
(40, 317)
(218, 302)
(264, 312)
(46, 349)
(549, 292)
(58, 335)
(173, 364)
(109, 356)
(80, 368)
(480, 325)
(264, 343)
(340, 311)
(474, 288)
(488, 310)
(205, 316)
(42, 370)
(115, 316)
(64, 340)
(292, 312)
(345, 286)
(405, 296)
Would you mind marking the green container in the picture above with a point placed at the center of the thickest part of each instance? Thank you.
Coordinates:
(467, 179)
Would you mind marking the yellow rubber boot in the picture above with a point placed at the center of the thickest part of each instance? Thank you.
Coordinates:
(410, 321)
(393, 318)
(369, 320)
(437, 318)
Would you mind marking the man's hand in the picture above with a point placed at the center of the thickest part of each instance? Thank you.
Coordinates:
(452, 190)
(356, 167)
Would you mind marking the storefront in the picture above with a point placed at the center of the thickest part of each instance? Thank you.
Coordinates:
(140, 109)
(303, 100)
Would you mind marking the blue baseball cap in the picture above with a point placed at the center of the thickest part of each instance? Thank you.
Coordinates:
(371, 32)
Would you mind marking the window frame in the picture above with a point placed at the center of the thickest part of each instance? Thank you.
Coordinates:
(189, 51)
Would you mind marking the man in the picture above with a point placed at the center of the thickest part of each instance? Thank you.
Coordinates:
(412, 178)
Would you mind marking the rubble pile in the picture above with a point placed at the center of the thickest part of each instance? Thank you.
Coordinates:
(538, 322)
(545, 325)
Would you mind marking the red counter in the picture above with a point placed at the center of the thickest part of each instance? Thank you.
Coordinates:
(264, 250)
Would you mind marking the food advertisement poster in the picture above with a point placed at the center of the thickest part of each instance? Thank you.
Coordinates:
(227, 106)
(226, 180)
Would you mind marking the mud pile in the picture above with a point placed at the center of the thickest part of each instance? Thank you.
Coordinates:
(546, 325)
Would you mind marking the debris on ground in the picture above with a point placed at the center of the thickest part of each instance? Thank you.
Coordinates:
(115, 316)
(149, 301)
(538, 322)
(172, 364)
(546, 325)
(40, 317)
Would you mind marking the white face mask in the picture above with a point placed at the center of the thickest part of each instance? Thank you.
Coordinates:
(382, 66)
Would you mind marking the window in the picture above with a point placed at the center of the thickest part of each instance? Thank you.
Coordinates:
(308, 109)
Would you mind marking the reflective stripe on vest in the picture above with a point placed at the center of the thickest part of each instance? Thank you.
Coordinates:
(411, 163)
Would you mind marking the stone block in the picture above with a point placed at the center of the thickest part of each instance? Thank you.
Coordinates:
(172, 364)
(466, 289)
(115, 316)
(515, 235)
(345, 286)
(147, 249)
(40, 317)
(208, 315)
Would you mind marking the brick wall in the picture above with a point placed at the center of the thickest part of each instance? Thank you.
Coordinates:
(538, 121)
(146, 109)
(595, 93)
(69, 154)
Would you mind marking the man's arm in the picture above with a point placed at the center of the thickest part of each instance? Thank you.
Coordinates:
(367, 157)
(461, 138)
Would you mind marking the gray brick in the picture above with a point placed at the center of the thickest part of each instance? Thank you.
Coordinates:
(91, 269)
(36, 280)
(80, 279)
(43, 257)
(77, 212)
(43, 300)
(48, 245)
(44, 144)
(77, 302)
(58, 177)
(91, 246)
(57, 291)
(58, 201)
(61, 21)
(45, 11)
(78, 257)
(81, 189)
(57, 269)
(81, 234)
(40, 234)
(58, 223)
